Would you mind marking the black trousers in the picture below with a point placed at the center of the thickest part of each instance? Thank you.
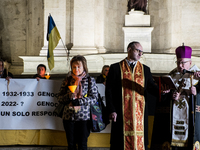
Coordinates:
(77, 132)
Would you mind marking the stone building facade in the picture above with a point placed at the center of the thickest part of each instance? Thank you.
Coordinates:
(93, 28)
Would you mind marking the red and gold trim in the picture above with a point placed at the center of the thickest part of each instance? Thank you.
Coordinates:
(133, 105)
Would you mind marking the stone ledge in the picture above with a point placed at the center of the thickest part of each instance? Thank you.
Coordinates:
(159, 63)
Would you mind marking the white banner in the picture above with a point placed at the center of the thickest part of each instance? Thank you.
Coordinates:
(29, 104)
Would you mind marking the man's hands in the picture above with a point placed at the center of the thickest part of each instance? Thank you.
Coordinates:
(165, 89)
(176, 95)
(113, 116)
(193, 90)
(197, 75)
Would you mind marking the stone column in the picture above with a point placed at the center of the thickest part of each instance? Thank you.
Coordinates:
(57, 9)
(83, 37)
(99, 24)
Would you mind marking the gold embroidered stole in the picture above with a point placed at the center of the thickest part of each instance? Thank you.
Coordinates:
(133, 106)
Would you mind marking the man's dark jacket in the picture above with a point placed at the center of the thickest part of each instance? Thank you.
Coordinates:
(114, 103)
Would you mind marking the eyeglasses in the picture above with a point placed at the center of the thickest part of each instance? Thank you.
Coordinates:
(181, 62)
(139, 51)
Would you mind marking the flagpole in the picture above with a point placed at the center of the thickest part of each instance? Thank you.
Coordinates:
(67, 51)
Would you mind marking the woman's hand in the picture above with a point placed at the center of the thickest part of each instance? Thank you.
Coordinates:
(71, 105)
(175, 96)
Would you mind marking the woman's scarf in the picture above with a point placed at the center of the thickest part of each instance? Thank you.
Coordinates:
(78, 79)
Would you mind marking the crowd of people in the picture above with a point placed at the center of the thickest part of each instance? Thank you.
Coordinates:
(128, 86)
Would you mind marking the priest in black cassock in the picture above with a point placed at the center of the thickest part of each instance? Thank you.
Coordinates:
(127, 86)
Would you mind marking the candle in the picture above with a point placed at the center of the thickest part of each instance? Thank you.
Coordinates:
(47, 76)
(72, 88)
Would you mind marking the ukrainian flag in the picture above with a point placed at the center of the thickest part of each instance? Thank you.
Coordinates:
(53, 36)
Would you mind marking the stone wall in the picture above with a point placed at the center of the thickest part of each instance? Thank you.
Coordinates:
(21, 26)
(21, 30)
(160, 11)
(115, 11)
(175, 22)
(12, 29)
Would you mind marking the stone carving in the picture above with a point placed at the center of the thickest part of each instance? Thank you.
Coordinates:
(137, 5)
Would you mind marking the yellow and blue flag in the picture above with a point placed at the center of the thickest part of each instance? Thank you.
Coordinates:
(53, 36)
